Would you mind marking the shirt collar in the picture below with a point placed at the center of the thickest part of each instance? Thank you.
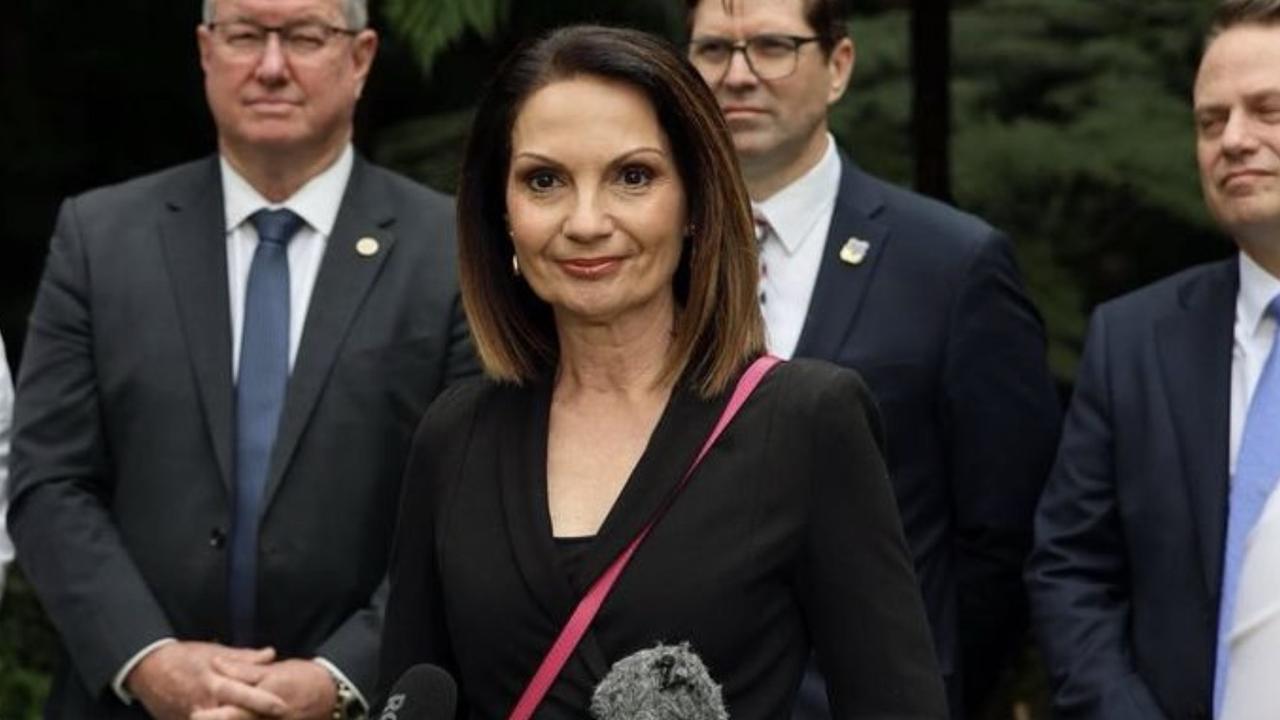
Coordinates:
(1257, 288)
(316, 202)
(795, 209)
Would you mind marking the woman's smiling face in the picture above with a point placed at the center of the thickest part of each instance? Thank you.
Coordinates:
(595, 202)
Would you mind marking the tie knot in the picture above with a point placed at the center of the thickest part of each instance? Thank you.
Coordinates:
(762, 224)
(276, 226)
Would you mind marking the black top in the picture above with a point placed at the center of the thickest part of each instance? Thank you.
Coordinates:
(785, 540)
(572, 553)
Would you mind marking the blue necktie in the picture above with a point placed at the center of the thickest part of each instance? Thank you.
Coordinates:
(1257, 470)
(260, 390)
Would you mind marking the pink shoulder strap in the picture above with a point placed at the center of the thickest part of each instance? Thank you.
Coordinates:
(590, 603)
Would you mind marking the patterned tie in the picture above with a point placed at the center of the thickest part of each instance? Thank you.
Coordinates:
(1257, 470)
(763, 231)
(260, 389)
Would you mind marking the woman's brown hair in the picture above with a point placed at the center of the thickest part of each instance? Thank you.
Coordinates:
(718, 327)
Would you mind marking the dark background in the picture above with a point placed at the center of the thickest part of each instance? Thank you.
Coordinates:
(1064, 122)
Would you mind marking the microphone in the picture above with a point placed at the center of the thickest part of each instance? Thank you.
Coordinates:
(665, 682)
(423, 692)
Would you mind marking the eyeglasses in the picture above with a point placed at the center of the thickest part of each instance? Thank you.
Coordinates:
(248, 39)
(769, 57)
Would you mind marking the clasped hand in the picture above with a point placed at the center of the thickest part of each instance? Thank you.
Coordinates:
(207, 681)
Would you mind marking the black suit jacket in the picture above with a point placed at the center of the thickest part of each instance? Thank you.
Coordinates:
(936, 321)
(122, 450)
(1127, 568)
(786, 537)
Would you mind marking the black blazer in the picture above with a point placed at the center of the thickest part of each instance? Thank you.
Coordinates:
(1127, 569)
(936, 320)
(785, 538)
(122, 445)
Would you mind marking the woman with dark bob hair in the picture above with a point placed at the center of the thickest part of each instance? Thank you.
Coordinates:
(609, 275)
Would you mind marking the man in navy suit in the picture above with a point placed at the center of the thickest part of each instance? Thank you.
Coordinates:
(924, 301)
(1139, 561)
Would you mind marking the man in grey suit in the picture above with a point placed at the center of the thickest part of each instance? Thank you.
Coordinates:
(224, 368)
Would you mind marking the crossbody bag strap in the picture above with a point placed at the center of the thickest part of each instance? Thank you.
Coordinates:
(573, 630)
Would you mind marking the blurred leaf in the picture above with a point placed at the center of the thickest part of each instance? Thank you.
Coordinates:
(429, 148)
(431, 26)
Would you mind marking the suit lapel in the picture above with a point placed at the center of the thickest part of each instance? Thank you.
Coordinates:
(1195, 348)
(344, 279)
(193, 239)
(680, 432)
(522, 480)
(841, 286)
(676, 439)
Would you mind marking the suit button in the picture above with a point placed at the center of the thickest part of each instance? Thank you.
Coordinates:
(217, 538)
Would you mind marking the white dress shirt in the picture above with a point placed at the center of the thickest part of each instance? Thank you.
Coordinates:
(317, 203)
(800, 216)
(1254, 335)
(1252, 692)
(6, 424)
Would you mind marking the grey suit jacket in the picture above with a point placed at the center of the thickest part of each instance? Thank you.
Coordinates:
(122, 452)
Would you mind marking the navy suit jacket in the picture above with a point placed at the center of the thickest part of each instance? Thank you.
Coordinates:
(1126, 570)
(936, 320)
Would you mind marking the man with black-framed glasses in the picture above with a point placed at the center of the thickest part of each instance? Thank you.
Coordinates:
(224, 368)
(924, 301)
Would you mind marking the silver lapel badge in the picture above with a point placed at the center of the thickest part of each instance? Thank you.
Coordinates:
(854, 251)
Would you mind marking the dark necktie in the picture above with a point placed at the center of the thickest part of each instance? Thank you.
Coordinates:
(260, 390)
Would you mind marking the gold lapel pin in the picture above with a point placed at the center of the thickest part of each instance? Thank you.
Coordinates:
(854, 251)
(367, 247)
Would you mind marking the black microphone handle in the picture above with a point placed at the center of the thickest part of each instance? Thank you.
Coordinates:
(424, 692)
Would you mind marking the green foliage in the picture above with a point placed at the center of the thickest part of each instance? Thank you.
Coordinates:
(460, 54)
(872, 121)
(428, 148)
(1086, 150)
(27, 651)
(431, 27)
(1071, 131)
